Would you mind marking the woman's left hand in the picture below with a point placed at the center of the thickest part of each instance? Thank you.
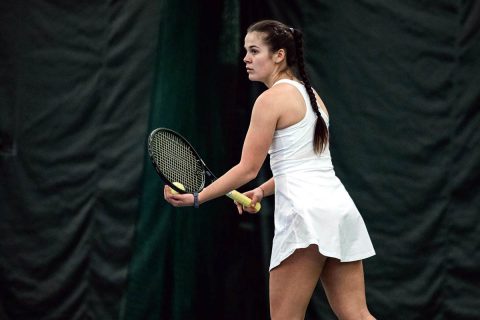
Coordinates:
(177, 199)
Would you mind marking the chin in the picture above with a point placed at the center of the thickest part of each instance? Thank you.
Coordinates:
(251, 77)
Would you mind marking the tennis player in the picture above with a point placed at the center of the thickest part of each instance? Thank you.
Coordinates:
(319, 233)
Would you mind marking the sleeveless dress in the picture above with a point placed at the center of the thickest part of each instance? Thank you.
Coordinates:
(311, 204)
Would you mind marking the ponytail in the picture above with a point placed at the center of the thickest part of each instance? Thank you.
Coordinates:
(320, 136)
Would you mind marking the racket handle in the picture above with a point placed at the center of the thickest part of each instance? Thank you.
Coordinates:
(243, 199)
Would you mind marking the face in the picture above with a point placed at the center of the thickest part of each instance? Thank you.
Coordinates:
(258, 59)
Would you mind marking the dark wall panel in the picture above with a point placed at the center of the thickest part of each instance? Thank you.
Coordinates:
(81, 85)
(74, 100)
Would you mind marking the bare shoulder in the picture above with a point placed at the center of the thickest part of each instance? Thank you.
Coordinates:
(280, 94)
(283, 90)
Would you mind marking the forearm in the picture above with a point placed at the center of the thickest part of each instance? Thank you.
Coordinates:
(232, 179)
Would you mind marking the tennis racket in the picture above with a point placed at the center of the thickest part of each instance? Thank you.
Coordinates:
(176, 161)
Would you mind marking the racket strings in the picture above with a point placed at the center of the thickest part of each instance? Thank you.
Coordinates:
(176, 161)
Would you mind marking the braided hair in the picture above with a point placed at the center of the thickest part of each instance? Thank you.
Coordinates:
(279, 36)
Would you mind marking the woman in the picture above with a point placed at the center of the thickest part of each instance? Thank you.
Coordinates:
(319, 233)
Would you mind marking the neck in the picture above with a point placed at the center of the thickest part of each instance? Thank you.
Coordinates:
(283, 74)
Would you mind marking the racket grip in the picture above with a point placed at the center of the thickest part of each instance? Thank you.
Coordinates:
(243, 199)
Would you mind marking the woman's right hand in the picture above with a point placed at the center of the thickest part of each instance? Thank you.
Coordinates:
(256, 195)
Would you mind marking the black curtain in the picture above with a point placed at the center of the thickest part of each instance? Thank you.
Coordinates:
(84, 231)
(75, 81)
(400, 83)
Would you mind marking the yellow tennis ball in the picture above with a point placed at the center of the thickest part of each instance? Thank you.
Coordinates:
(179, 186)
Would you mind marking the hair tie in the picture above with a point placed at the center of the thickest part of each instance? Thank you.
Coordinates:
(291, 30)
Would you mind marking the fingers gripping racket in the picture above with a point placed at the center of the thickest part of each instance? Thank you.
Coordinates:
(175, 160)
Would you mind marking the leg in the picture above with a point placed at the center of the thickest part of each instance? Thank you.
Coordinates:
(345, 289)
(292, 283)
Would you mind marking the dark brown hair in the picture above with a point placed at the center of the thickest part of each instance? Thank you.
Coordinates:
(279, 36)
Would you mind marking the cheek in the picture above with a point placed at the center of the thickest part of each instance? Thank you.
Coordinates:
(263, 63)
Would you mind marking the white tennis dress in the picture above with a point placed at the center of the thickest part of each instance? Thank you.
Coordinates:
(311, 204)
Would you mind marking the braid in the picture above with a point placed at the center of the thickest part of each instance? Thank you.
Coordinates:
(320, 138)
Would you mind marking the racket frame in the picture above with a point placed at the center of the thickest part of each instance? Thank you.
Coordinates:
(206, 171)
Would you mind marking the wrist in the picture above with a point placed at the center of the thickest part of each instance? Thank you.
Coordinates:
(200, 197)
(263, 191)
(196, 202)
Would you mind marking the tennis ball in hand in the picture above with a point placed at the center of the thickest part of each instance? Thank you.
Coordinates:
(179, 186)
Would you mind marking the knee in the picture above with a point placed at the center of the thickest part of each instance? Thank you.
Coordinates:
(286, 315)
(357, 314)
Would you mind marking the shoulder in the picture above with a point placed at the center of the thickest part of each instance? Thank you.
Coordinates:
(279, 94)
(282, 90)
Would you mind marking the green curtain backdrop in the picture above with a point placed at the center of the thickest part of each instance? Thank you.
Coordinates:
(190, 253)
(75, 81)
(84, 230)
(399, 81)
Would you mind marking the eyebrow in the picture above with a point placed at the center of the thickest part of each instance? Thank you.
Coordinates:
(252, 46)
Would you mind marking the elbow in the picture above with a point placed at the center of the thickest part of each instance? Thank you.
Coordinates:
(250, 172)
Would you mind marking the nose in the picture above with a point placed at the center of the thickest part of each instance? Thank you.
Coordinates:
(246, 59)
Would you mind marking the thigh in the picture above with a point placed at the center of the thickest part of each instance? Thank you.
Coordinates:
(344, 286)
(292, 283)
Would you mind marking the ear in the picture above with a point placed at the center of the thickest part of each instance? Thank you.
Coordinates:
(279, 56)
